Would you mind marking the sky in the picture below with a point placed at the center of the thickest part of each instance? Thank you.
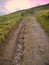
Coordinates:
(8, 6)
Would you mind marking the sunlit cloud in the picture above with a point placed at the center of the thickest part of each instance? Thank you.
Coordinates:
(13, 5)
(8, 6)
(38, 2)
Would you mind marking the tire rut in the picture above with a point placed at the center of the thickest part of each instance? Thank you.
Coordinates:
(19, 49)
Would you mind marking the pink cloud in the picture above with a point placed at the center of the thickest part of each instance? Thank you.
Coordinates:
(38, 2)
(15, 5)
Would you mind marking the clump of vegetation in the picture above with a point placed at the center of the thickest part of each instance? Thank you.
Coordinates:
(7, 23)
(43, 18)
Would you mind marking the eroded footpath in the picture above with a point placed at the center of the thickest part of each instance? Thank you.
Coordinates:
(28, 45)
(36, 44)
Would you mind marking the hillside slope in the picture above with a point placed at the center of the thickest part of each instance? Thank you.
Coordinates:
(7, 22)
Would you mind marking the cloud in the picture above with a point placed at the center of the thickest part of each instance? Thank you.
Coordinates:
(13, 5)
(8, 6)
(2, 8)
(38, 2)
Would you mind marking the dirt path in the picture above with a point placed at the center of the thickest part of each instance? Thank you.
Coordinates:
(28, 45)
(36, 44)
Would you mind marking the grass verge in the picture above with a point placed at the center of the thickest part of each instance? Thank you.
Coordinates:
(43, 18)
(7, 23)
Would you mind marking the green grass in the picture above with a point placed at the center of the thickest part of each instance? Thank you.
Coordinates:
(7, 23)
(43, 18)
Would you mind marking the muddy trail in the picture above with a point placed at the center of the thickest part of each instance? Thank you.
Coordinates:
(27, 45)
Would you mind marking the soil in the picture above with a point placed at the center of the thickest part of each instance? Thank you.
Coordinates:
(27, 45)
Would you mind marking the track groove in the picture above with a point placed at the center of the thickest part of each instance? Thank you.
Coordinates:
(18, 57)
